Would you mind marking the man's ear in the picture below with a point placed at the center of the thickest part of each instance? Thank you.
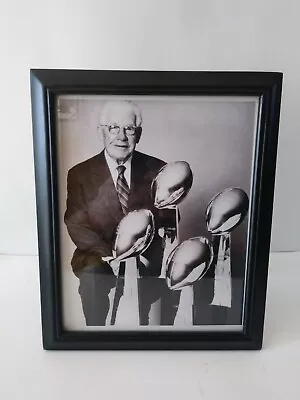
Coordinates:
(138, 133)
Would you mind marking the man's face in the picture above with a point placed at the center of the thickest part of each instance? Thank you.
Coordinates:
(119, 133)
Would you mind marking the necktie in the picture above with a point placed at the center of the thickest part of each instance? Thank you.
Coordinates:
(122, 188)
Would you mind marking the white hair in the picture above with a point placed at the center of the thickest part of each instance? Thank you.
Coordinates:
(125, 104)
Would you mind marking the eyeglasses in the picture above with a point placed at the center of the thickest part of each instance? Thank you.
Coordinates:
(115, 129)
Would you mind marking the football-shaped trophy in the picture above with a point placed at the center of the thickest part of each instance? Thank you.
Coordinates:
(172, 184)
(169, 188)
(186, 264)
(224, 213)
(134, 235)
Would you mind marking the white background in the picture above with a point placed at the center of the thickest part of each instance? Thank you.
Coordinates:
(137, 34)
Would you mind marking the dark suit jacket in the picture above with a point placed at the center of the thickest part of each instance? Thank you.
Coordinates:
(93, 209)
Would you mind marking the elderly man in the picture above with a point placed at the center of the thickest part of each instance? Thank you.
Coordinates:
(101, 190)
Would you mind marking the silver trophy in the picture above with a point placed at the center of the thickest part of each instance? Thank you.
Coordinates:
(134, 235)
(169, 188)
(172, 184)
(186, 264)
(223, 214)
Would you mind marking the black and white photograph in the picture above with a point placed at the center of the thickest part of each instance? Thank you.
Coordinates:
(154, 198)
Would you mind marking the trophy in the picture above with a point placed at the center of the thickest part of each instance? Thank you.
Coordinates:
(186, 264)
(169, 188)
(224, 213)
(134, 235)
(172, 184)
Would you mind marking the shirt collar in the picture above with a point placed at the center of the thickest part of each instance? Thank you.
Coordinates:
(112, 164)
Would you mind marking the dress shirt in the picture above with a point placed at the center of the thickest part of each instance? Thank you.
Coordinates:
(113, 165)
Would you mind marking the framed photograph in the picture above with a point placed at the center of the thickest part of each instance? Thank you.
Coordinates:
(154, 195)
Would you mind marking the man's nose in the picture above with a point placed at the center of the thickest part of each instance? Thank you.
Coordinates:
(122, 135)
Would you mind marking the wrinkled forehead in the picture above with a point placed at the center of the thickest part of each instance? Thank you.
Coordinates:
(119, 113)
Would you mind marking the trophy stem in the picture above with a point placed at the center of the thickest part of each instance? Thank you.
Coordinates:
(222, 283)
(128, 310)
(169, 243)
(184, 315)
(167, 248)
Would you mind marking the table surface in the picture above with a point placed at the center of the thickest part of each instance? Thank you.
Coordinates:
(28, 372)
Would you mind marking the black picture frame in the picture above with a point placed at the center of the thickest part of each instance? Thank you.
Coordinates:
(45, 85)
